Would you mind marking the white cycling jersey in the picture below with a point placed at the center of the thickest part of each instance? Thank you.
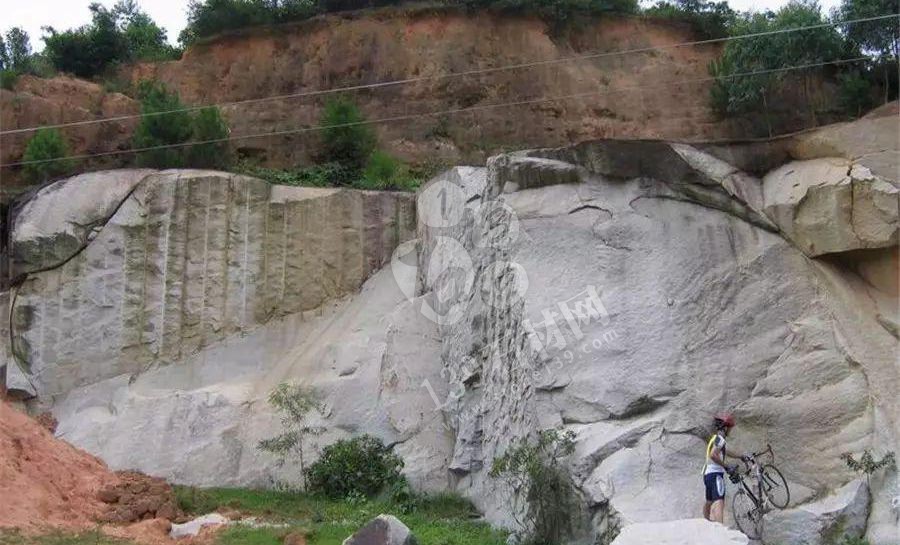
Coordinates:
(717, 442)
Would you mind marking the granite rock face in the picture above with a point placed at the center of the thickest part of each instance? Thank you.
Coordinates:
(179, 260)
(632, 303)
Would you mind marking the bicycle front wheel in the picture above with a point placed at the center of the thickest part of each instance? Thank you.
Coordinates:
(775, 486)
(746, 514)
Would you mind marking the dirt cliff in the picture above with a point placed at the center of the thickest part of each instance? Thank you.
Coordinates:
(620, 96)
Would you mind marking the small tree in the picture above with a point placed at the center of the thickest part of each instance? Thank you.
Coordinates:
(536, 476)
(880, 38)
(867, 465)
(854, 93)
(295, 404)
(346, 139)
(49, 149)
(760, 55)
(161, 129)
(18, 50)
(90, 49)
(209, 126)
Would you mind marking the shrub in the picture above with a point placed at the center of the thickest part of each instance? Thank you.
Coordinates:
(385, 172)
(535, 475)
(161, 129)
(854, 93)
(362, 466)
(209, 126)
(294, 403)
(346, 139)
(46, 145)
(312, 176)
(8, 78)
(867, 465)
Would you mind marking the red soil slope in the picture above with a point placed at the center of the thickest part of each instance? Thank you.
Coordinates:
(45, 482)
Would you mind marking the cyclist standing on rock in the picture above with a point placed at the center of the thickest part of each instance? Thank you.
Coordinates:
(715, 469)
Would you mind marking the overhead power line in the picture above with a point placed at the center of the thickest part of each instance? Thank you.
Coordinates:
(449, 75)
(439, 113)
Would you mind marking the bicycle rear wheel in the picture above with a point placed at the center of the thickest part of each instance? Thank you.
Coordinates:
(775, 486)
(746, 514)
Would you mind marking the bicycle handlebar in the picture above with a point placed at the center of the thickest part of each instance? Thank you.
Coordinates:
(768, 451)
(754, 455)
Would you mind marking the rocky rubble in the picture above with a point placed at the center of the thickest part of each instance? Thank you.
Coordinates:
(137, 497)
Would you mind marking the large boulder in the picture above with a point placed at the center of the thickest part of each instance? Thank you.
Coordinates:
(60, 219)
(823, 522)
(382, 530)
(832, 205)
(679, 532)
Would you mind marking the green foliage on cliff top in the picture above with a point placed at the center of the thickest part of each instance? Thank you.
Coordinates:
(121, 34)
(211, 17)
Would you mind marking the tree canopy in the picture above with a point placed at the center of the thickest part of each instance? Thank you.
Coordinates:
(123, 33)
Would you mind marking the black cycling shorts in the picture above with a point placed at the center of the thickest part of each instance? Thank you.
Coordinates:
(715, 486)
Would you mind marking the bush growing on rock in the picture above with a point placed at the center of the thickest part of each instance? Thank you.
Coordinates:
(386, 172)
(362, 467)
(49, 148)
(867, 464)
(535, 475)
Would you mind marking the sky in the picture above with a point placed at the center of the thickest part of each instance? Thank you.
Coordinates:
(171, 14)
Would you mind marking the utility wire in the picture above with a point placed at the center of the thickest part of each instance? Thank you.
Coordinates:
(450, 75)
(438, 113)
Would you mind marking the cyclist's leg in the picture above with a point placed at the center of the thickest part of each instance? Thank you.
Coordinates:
(715, 493)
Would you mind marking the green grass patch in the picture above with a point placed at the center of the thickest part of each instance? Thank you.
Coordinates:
(435, 520)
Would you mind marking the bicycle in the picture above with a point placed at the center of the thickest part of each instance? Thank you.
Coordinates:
(750, 503)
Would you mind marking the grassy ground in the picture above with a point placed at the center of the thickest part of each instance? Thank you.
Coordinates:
(437, 520)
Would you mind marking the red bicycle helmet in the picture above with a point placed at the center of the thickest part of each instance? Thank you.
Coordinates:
(724, 420)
